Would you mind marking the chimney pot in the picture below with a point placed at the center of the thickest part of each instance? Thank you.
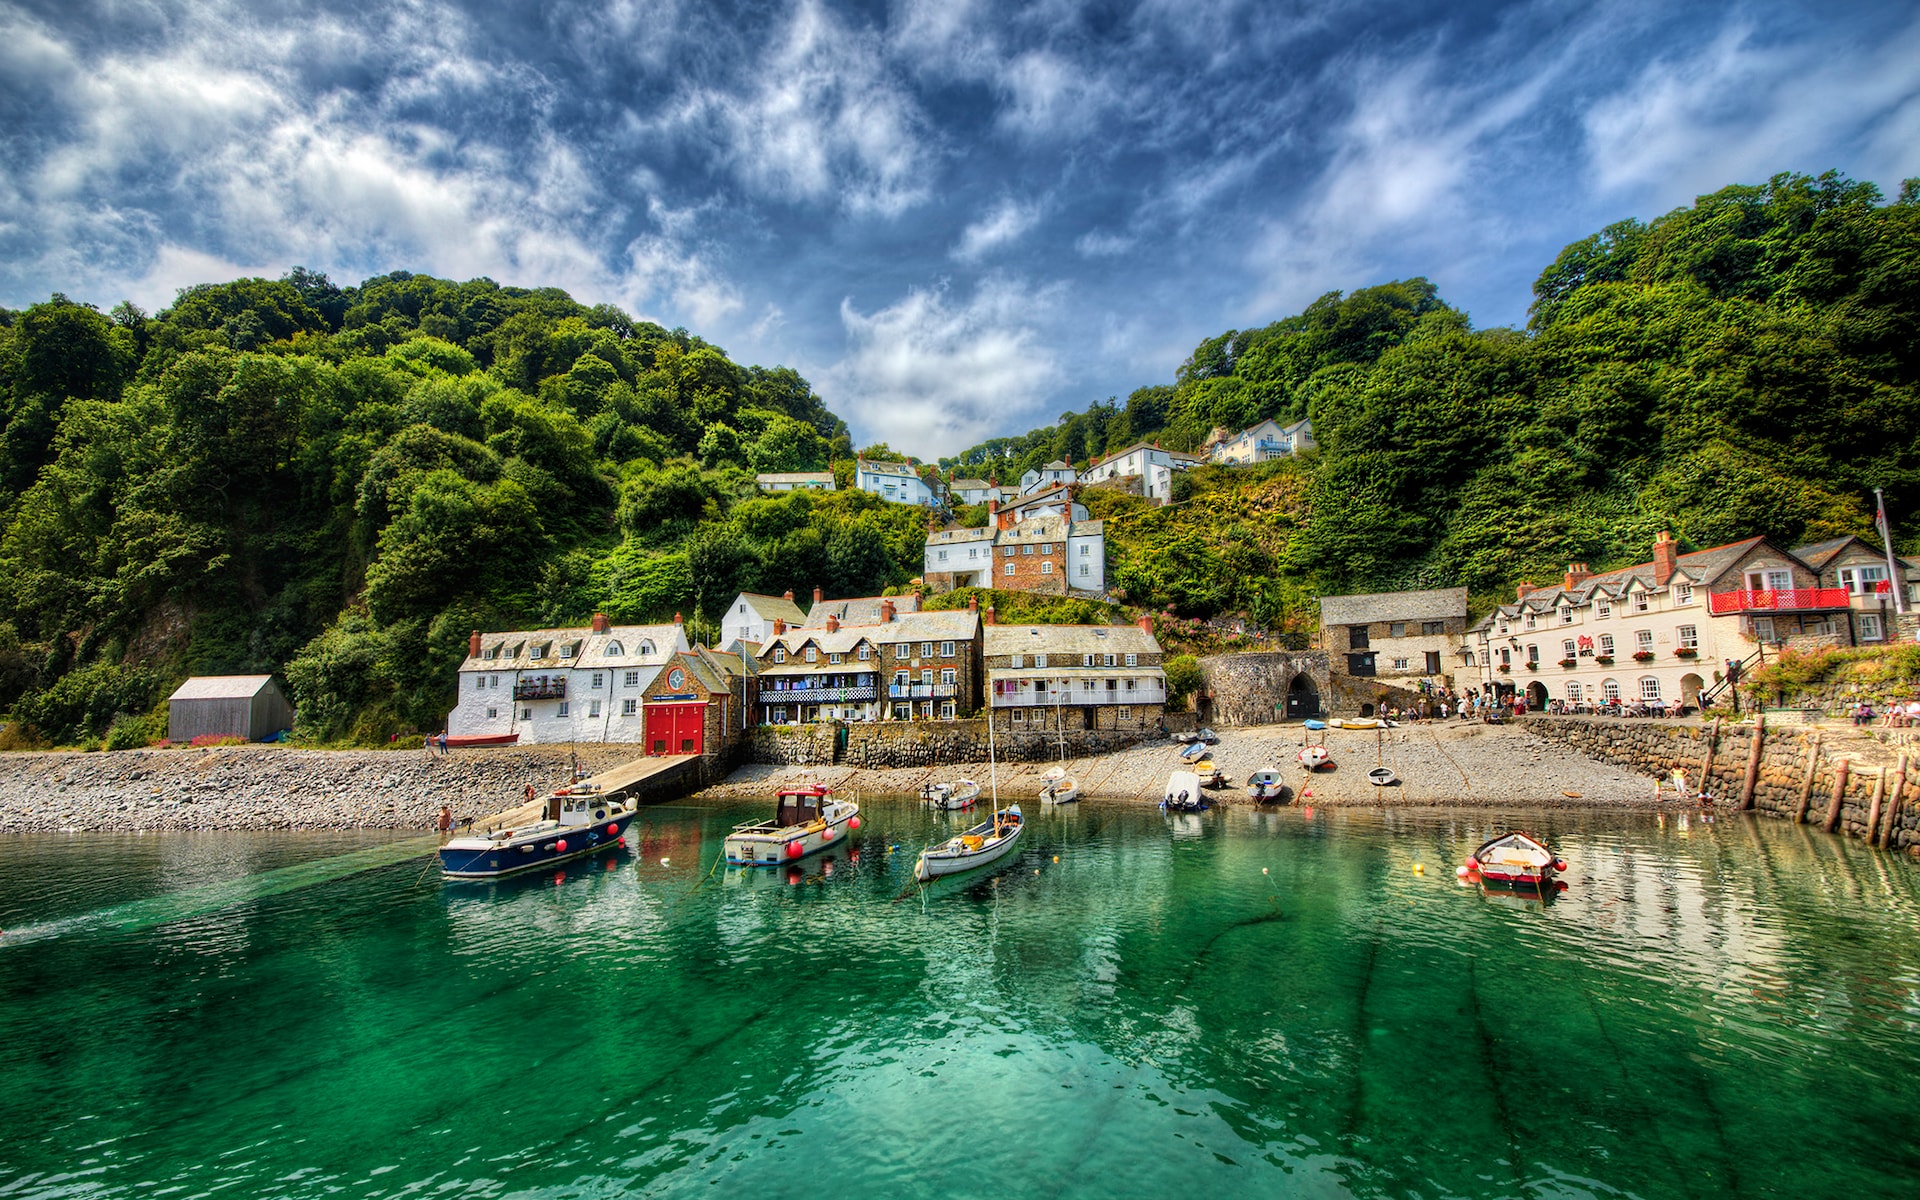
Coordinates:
(973, 604)
(677, 620)
(1577, 574)
(816, 595)
(833, 623)
(1522, 590)
(473, 644)
(599, 622)
(1145, 622)
(987, 619)
(886, 611)
(787, 595)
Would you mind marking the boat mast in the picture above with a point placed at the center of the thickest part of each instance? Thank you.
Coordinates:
(993, 770)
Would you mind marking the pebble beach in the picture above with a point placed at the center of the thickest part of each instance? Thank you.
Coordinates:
(271, 787)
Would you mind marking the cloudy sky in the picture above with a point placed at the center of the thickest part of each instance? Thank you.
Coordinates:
(958, 218)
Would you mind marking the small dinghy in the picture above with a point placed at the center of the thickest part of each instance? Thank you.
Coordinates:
(1382, 777)
(570, 826)
(1210, 775)
(1265, 787)
(961, 793)
(1058, 787)
(1314, 757)
(1314, 724)
(986, 842)
(1516, 860)
(807, 821)
(1183, 793)
(1194, 753)
(1362, 723)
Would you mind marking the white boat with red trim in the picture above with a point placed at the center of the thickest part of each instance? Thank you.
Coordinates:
(1515, 860)
(807, 821)
(985, 843)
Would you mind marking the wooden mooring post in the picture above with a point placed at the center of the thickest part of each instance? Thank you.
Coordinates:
(1839, 794)
(1893, 804)
(1806, 783)
(1753, 760)
(1706, 760)
(1873, 806)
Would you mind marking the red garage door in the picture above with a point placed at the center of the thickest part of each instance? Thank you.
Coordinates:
(675, 728)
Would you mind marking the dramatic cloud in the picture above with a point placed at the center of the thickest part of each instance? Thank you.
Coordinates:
(927, 374)
(1094, 187)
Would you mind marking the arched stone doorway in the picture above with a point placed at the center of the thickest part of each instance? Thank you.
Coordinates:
(1303, 699)
(1690, 685)
(1537, 695)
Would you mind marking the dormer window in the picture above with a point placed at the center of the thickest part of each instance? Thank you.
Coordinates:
(566, 651)
(517, 648)
(646, 647)
(779, 654)
(1641, 602)
(615, 650)
(812, 654)
(493, 651)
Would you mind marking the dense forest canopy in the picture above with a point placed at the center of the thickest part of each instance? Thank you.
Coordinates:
(336, 484)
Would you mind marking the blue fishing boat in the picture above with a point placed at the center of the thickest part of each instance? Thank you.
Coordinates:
(571, 825)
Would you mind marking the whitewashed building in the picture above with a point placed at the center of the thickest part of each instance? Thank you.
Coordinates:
(897, 482)
(1055, 472)
(562, 685)
(1054, 677)
(750, 617)
(1146, 461)
(1269, 439)
(789, 481)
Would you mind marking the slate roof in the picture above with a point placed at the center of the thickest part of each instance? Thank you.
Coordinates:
(1699, 567)
(888, 468)
(1432, 605)
(590, 649)
(770, 607)
(221, 687)
(863, 610)
(825, 477)
(1067, 639)
(968, 485)
(1819, 555)
(946, 625)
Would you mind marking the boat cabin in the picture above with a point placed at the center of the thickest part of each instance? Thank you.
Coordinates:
(801, 806)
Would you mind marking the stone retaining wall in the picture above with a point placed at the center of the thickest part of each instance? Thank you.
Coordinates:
(920, 744)
(1251, 689)
(1781, 785)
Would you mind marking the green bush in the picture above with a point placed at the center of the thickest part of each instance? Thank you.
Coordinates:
(82, 703)
(129, 732)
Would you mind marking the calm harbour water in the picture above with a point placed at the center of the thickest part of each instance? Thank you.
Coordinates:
(1234, 1003)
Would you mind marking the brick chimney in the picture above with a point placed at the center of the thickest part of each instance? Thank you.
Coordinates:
(1522, 590)
(833, 623)
(779, 626)
(473, 644)
(886, 612)
(987, 617)
(1666, 558)
(993, 505)
(787, 595)
(1577, 574)
(677, 620)
(816, 595)
(1145, 622)
(973, 604)
(599, 622)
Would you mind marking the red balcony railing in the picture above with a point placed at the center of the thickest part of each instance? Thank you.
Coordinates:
(1787, 600)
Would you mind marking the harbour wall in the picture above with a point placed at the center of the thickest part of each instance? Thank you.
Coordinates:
(1849, 784)
(888, 744)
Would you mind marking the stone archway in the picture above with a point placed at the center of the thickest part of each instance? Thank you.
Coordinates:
(1537, 696)
(1303, 699)
(1690, 685)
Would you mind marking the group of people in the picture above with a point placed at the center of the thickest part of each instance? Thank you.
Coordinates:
(1897, 716)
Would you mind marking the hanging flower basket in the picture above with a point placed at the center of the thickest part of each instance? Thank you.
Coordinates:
(1643, 656)
(1686, 652)
(1569, 662)
(1533, 664)
(1505, 668)
(1605, 660)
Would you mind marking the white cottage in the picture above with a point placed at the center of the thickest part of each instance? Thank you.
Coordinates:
(1146, 461)
(894, 481)
(562, 685)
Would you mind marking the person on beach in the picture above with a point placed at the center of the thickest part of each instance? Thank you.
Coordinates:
(529, 793)
(443, 743)
(446, 820)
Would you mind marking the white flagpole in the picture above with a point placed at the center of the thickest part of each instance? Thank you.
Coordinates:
(1895, 580)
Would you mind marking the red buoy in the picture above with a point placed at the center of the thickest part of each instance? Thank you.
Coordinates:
(561, 845)
(854, 824)
(613, 830)
(622, 843)
(1559, 864)
(793, 849)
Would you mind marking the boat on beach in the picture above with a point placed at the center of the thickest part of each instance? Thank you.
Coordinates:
(1058, 787)
(457, 740)
(1516, 860)
(1265, 786)
(985, 843)
(568, 826)
(1362, 723)
(1211, 776)
(808, 820)
(954, 796)
(1183, 793)
(1314, 757)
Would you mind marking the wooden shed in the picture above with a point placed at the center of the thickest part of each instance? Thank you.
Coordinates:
(243, 706)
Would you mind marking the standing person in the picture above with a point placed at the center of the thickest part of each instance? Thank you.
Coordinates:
(443, 743)
(427, 745)
(446, 820)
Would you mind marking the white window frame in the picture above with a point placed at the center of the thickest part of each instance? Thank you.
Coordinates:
(1642, 640)
(1606, 645)
(946, 649)
(563, 709)
(1610, 690)
(630, 707)
(596, 681)
(1133, 660)
(492, 713)
(593, 710)
(1649, 687)
(1682, 594)
(1603, 608)
(1688, 636)
(1870, 628)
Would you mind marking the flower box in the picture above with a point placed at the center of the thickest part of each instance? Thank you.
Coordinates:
(1686, 652)
(1533, 664)
(1605, 660)
(1569, 662)
(1643, 656)
(1504, 668)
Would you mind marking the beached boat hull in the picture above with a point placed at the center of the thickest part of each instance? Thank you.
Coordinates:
(484, 858)
(482, 739)
(1313, 758)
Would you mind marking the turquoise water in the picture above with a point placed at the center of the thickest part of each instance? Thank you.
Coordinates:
(1229, 1004)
